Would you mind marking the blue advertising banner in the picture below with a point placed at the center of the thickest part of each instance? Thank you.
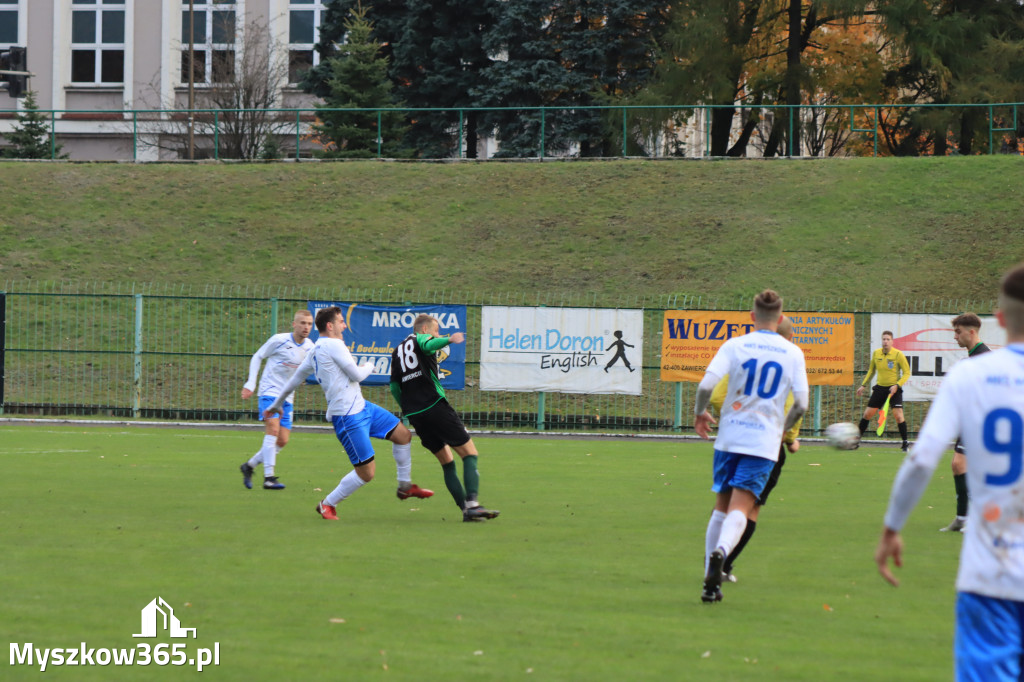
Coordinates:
(375, 330)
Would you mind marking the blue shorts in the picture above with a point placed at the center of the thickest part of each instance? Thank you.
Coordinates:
(354, 431)
(286, 418)
(745, 472)
(988, 645)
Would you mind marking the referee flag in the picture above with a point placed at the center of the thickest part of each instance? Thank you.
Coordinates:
(882, 416)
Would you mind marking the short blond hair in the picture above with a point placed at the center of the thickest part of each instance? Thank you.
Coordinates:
(421, 322)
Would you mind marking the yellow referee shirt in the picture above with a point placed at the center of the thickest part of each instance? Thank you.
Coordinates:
(891, 368)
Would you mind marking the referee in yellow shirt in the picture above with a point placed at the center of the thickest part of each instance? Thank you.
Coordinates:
(892, 370)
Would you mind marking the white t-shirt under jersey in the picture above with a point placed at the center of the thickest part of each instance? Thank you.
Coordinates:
(763, 368)
(283, 355)
(982, 401)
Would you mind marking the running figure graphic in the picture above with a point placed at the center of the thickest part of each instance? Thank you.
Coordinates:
(620, 352)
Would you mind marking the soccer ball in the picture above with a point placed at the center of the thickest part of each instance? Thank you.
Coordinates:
(842, 435)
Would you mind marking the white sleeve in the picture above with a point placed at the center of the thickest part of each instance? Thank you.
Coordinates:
(255, 362)
(345, 362)
(704, 390)
(304, 369)
(940, 427)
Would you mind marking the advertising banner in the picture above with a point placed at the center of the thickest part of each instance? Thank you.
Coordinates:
(928, 343)
(374, 331)
(567, 350)
(690, 339)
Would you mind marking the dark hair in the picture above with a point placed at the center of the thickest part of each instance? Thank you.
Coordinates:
(326, 315)
(967, 320)
(767, 305)
(888, 333)
(1012, 285)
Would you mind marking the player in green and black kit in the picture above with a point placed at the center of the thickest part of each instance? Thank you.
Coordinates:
(417, 388)
(966, 333)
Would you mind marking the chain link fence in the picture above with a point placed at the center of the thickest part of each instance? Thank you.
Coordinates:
(159, 352)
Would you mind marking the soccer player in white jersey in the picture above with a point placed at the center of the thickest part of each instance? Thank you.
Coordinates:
(283, 353)
(763, 369)
(981, 400)
(355, 419)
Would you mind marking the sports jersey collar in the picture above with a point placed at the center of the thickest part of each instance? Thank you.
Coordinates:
(975, 347)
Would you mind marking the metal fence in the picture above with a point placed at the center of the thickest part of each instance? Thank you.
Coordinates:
(648, 131)
(145, 351)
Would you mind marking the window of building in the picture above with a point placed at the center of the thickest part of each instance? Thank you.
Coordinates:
(212, 39)
(304, 17)
(97, 41)
(8, 23)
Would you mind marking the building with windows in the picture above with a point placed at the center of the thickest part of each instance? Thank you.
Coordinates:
(114, 76)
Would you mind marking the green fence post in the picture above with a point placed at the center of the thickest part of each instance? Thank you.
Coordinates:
(216, 135)
(137, 383)
(461, 114)
(817, 409)
(679, 406)
(380, 135)
(273, 316)
(135, 135)
(53, 134)
(3, 346)
(540, 410)
(623, 132)
(542, 120)
(298, 132)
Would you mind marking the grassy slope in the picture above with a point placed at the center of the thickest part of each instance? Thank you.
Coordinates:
(914, 228)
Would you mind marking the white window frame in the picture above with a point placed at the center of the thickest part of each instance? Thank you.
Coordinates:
(209, 8)
(318, 7)
(18, 7)
(98, 7)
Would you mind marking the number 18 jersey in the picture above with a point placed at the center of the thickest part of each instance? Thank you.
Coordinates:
(763, 368)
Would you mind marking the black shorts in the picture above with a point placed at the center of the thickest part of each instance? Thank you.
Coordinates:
(880, 393)
(773, 478)
(438, 426)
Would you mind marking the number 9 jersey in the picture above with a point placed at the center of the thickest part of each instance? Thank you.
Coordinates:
(982, 401)
(763, 369)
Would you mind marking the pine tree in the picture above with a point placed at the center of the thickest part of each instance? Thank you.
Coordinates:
(30, 138)
(358, 79)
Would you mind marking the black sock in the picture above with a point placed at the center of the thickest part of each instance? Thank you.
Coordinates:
(748, 533)
(960, 483)
(903, 431)
(863, 426)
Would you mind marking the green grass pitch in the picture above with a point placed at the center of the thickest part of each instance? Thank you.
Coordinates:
(592, 572)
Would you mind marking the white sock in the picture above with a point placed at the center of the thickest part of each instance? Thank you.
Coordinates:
(268, 454)
(711, 537)
(349, 484)
(403, 461)
(260, 455)
(732, 530)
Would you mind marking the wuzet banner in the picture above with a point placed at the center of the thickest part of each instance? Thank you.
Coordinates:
(689, 340)
(374, 331)
(567, 350)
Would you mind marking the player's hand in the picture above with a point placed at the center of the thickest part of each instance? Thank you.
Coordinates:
(457, 337)
(371, 365)
(246, 393)
(702, 424)
(272, 412)
(889, 545)
(794, 446)
(860, 390)
(893, 389)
